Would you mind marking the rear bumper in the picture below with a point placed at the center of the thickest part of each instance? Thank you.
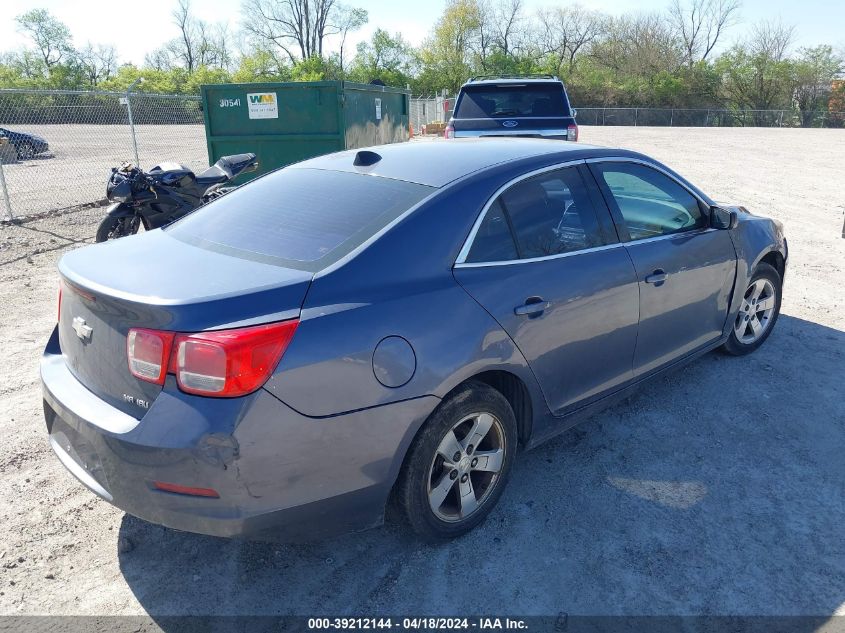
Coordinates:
(279, 474)
(556, 134)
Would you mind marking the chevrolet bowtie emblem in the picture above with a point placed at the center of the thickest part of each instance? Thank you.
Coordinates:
(83, 331)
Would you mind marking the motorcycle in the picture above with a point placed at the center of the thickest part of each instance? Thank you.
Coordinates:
(165, 193)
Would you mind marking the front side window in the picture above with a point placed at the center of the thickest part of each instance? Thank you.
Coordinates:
(549, 214)
(651, 204)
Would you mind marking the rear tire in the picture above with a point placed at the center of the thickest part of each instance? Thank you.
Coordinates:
(758, 312)
(113, 228)
(459, 463)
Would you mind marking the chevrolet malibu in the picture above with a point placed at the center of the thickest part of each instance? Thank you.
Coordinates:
(391, 324)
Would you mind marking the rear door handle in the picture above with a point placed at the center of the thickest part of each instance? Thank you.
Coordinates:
(533, 306)
(657, 277)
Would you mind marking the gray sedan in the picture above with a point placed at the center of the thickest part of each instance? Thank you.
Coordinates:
(392, 323)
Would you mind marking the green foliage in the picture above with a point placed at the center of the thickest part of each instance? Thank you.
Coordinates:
(445, 58)
(386, 58)
(261, 66)
(316, 69)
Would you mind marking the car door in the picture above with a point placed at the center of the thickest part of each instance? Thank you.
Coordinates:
(685, 269)
(551, 271)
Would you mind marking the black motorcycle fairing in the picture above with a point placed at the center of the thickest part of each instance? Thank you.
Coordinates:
(120, 210)
(227, 168)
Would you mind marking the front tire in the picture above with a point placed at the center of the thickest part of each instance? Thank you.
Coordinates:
(113, 228)
(25, 150)
(758, 312)
(459, 463)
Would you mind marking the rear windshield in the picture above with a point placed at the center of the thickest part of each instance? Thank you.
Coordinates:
(513, 100)
(301, 218)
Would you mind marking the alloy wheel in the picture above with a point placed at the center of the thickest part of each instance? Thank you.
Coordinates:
(466, 467)
(25, 151)
(756, 311)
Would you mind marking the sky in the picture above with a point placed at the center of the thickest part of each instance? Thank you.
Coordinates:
(136, 29)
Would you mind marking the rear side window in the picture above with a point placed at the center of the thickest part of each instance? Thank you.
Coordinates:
(651, 204)
(549, 214)
(302, 218)
(494, 241)
(512, 100)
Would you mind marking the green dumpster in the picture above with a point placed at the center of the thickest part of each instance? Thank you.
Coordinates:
(287, 122)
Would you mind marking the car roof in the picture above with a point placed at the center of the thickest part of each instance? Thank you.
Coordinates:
(438, 162)
(502, 81)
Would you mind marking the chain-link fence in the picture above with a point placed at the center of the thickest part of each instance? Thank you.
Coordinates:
(57, 148)
(703, 117)
(426, 110)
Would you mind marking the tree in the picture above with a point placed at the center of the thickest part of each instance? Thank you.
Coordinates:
(508, 20)
(757, 74)
(701, 23)
(566, 32)
(639, 45)
(814, 72)
(98, 63)
(262, 65)
(386, 58)
(199, 44)
(297, 27)
(185, 47)
(51, 37)
(446, 56)
(348, 19)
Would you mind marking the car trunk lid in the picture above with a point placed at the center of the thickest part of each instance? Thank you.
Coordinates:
(153, 281)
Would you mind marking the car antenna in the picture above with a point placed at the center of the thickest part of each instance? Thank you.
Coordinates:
(365, 158)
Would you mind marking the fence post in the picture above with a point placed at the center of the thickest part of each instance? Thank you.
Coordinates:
(131, 122)
(672, 118)
(780, 119)
(8, 216)
(636, 116)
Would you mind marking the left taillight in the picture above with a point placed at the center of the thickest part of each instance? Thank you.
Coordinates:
(572, 133)
(224, 363)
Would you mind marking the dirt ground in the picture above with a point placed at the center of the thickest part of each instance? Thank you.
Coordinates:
(719, 489)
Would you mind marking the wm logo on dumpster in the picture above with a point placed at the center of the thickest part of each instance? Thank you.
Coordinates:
(262, 105)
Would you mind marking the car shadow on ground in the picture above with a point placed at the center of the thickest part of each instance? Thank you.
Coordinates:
(715, 490)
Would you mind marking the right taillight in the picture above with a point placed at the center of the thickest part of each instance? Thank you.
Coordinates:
(572, 133)
(223, 363)
(148, 352)
(449, 132)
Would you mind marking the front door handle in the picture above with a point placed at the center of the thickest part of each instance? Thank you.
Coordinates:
(533, 306)
(657, 277)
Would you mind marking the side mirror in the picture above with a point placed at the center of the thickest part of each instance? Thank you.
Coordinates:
(725, 219)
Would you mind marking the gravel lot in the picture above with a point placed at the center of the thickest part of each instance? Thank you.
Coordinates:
(717, 490)
(79, 162)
